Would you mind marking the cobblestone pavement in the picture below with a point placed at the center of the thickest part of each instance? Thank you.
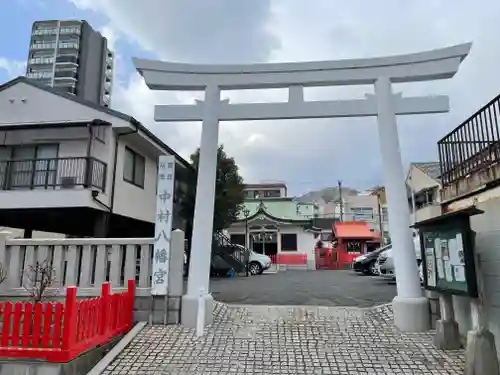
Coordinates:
(311, 288)
(287, 340)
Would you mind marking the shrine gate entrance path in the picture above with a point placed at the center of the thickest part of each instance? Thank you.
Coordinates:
(287, 340)
(304, 288)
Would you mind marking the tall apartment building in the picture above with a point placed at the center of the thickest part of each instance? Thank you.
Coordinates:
(73, 58)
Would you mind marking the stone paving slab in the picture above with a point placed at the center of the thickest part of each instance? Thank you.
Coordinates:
(287, 340)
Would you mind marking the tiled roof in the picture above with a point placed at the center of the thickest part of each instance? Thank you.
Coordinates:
(282, 208)
(431, 169)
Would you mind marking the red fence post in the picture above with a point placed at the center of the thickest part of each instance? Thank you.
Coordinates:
(104, 308)
(131, 298)
(70, 317)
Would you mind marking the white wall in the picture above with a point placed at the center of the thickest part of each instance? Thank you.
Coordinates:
(131, 200)
(40, 106)
(307, 242)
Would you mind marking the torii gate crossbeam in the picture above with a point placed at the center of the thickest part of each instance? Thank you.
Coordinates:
(410, 307)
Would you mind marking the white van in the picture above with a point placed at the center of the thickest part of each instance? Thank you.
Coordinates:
(385, 261)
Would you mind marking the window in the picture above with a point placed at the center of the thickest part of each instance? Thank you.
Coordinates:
(425, 198)
(134, 166)
(354, 247)
(238, 239)
(30, 166)
(256, 194)
(385, 214)
(362, 213)
(289, 242)
(100, 133)
(272, 193)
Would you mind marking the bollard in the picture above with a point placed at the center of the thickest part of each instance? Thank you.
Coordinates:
(200, 322)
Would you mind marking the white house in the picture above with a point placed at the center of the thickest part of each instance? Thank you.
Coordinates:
(74, 167)
(276, 227)
(424, 185)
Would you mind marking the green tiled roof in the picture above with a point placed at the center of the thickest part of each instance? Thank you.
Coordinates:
(281, 208)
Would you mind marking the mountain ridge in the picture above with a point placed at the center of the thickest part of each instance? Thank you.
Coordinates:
(326, 195)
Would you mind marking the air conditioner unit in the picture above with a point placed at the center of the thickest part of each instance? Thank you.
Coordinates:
(68, 182)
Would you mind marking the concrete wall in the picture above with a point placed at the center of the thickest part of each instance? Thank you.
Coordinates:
(427, 212)
(80, 365)
(487, 227)
(92, 59)
(487, 246)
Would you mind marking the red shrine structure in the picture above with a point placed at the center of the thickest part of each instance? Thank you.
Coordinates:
(350, 239)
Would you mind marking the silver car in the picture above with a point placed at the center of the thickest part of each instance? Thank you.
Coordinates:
(385, 264)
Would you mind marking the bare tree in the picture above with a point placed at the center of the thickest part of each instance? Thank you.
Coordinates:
(38, 278)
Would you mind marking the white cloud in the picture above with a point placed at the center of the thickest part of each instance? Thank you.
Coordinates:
(310, 153)
(14, 68)
(111, 34)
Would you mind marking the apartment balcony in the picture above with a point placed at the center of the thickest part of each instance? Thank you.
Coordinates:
(66, 74)
(69, 45)
(67, 59)
(41, 61)
(39, 75)
(470, 154)
(43, 32)
(70, 30)
(53, 173)
(42, 46)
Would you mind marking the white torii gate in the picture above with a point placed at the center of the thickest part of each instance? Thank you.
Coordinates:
(410, 307)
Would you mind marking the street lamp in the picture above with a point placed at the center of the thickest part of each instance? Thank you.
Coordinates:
(246, 213)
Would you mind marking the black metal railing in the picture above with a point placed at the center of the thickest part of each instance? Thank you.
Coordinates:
(472, 146)
(65, 173)
(231, 254)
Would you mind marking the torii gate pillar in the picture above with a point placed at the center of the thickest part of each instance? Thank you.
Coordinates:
(411, 308)
(201, 242)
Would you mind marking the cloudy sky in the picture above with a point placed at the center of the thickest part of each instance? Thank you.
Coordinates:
(306, 154)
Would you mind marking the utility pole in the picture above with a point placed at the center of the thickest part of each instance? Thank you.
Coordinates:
(381, 227)
(341, 201)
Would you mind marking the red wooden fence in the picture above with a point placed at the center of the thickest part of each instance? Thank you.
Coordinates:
(59, 332)
(292, 259)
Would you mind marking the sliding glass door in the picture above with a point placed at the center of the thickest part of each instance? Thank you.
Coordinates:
(33, 166)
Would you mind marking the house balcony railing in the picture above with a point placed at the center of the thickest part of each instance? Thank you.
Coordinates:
(471, 152)
(52, 173)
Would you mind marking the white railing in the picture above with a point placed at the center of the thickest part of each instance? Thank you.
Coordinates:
(86, 263)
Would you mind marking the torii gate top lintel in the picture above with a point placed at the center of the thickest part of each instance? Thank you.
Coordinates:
(422, 66)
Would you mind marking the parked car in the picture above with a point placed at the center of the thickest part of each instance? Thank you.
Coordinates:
(385, 261)
(367, 263)
(257, 263)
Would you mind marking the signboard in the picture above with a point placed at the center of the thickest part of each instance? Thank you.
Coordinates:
(447, 248)
(163, 224)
